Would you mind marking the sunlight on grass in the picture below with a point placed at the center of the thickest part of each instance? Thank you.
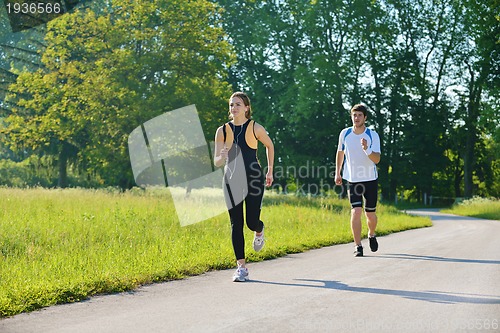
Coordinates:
(59, 246)
(486, 208)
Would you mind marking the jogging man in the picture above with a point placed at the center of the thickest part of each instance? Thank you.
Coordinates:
(359, 152)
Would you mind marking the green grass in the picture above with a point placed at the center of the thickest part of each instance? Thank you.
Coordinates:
(486, 208)
(59, 246)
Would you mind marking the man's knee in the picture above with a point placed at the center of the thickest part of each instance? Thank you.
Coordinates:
(370, 211)
(356, 211)
(371, 216)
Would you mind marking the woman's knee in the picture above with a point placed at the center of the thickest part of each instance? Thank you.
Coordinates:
(254, 223)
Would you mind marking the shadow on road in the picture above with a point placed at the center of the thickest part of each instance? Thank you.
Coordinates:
(433, 258)
(429, 296)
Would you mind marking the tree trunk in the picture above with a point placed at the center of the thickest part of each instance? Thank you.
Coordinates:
(458, 179)
(62, 181)
(468, 163)
(473, 105)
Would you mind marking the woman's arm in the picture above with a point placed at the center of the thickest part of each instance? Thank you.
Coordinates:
(262, 136)
(220, 151)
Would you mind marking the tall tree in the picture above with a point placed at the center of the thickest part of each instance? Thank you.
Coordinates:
(483, 74)
(106, 74)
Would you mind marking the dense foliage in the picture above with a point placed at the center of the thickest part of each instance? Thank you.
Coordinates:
(428, 70)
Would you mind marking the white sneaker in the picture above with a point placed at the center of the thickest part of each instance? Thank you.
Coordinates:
(241, 274)
(258, 241)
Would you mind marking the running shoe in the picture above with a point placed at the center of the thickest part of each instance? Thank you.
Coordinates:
(359, 251)
(258, 241)
(373, 243)
(241, 274)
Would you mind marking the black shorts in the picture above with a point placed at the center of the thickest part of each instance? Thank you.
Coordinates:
(368, 190)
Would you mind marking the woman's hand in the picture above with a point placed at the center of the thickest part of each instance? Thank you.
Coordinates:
(224, 153)
(269, 178)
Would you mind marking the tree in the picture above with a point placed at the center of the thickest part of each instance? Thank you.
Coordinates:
(106, 74)
(312, 60)
(483, 75)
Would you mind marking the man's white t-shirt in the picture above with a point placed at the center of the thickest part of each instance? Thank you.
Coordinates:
(357, 166)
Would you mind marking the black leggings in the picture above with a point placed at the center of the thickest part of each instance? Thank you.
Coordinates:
(253, 204)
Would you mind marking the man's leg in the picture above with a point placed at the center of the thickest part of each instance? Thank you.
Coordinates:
(356, 200)
(370, 194)
(371, 219)
(370, 212)
(356, 224)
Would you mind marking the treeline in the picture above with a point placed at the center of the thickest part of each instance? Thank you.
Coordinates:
(106, 69)
(429, 71)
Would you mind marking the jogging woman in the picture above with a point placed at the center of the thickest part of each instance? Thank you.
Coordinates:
(236, 148)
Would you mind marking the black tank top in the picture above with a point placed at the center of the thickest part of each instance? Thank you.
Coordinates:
(240, 145)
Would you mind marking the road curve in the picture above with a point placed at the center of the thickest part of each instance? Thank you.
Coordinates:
(445, 278)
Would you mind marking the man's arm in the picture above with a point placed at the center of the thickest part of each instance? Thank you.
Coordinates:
(338, 166)
(373, 152)
(374, 157)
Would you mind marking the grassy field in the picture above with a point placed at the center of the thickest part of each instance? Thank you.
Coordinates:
(59, 246)
(477, 207)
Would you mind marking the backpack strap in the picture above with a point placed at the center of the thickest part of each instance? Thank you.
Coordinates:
(224, 132)
(369, 133)
(349, 130)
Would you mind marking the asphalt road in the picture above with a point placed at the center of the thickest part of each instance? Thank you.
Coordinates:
(445, 278)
